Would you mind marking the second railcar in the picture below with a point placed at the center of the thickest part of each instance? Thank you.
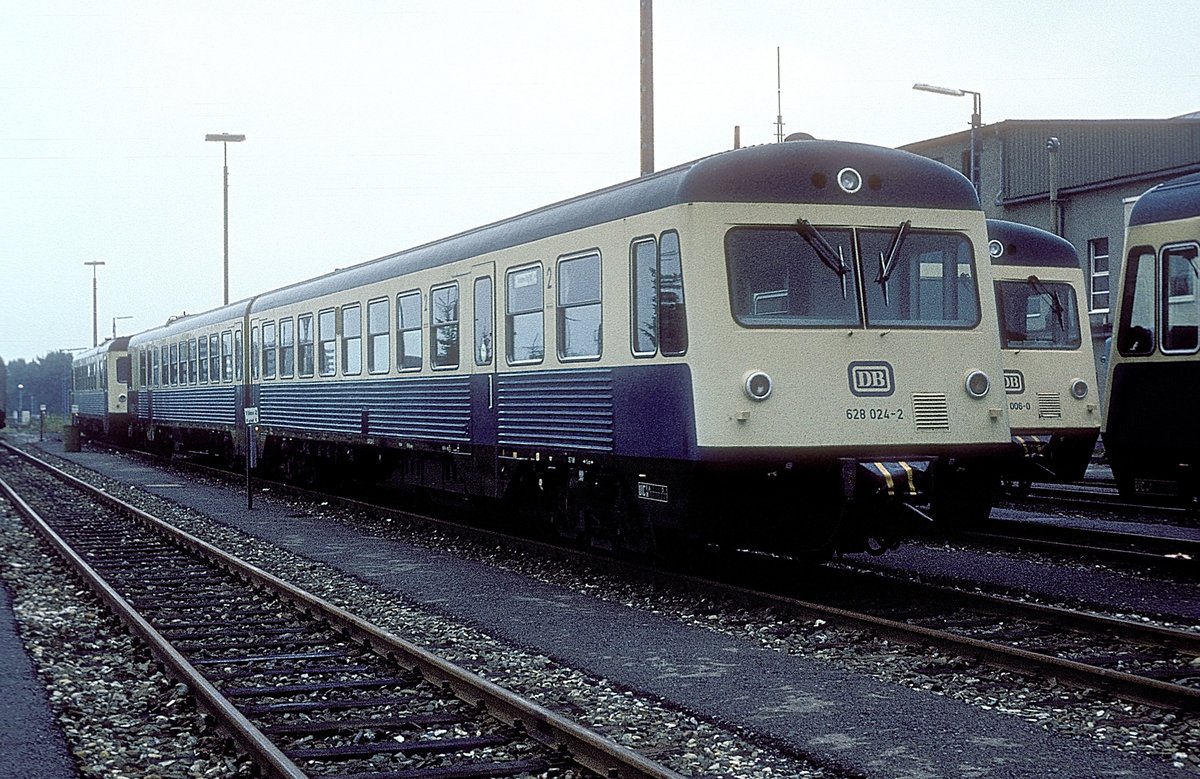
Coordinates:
(1152, 429)
(1049, 367)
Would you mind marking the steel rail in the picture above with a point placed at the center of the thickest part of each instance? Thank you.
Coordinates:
(584, 747)
(260, 748)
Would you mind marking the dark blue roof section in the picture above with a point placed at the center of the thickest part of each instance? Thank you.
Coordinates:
(1175, 199)
(792, 172)
(1025, 245)
(189, 322)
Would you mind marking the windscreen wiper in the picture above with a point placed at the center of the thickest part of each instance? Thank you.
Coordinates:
(830, 256)
(1056, 306)
(887, 264)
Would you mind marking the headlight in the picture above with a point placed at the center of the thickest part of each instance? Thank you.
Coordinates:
(758, 385)
(1079, 389)
(850, 180)
(978, 384)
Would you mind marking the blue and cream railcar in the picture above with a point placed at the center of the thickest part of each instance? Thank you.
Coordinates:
(1151, 427)
(100, 386)
(1049, 368)
(189, 382)
(780, 346)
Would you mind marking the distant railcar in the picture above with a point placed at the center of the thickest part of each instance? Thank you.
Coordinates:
(1049, 367)
(1152, 431)
(781, 347)
(100, 387)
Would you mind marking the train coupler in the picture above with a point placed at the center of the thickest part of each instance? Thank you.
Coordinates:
(905, 481)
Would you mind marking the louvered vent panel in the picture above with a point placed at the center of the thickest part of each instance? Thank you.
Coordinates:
(930, 411)
(1049, 405)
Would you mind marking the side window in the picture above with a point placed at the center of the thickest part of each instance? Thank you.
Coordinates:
(173, 358)
(408, 337)
(287, 348)
(156, 378)
(214, 358)
(485, 320)
(443, 326)
(227, 356)
(305, 349)
(327, 342)
(143, 373)
(269, 353)
(352, 340)
(672, 313)
(238, 354)
(379, 332)
(524, 315)
(1180, 298)
(1135, 333)
(579, 314)
(644, 296)
(255, 353)
(202, 358)
(193, 369)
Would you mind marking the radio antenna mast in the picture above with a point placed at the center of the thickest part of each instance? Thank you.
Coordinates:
(778, 97)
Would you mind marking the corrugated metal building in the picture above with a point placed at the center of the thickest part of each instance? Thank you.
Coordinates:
(1078, 178)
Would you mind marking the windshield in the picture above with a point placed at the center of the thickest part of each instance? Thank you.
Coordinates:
(1037, 314)
(810, 275)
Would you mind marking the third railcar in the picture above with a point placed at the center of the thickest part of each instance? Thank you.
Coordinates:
(1049, 367)
(100, 389)
(780, 347)
(1152, 428)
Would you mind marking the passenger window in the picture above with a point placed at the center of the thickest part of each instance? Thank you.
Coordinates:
(154, 360)
(1180, 299)
(202, 358)
(269, 354)
(379, 347)
(352, 340)
(408, 340)
(287, 348)
(227, 356)
(327, 342)
(1135, 334)
(485, 321)
(643, 311)
(525, 315)
(173, 357)
(255, 352)
(579, 315)
(238, 354)
(214, 358)
(443, 326)
(672, 313)
(305, 346)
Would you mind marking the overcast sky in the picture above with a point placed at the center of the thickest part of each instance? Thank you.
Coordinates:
(374, 125)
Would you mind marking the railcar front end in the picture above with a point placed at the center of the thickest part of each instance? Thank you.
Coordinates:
(1151, 428)
(1049, 367)
(100, 389)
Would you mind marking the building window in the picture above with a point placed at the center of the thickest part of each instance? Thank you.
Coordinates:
(1098, 268)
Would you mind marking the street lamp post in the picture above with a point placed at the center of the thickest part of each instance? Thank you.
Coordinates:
(976, 122)
(115, 318)
(95, 325)
(225, 139)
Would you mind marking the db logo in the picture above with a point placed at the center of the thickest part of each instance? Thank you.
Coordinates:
(1014, 382)
(871, 379)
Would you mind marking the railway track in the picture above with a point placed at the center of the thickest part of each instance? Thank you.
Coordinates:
(303, 687)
